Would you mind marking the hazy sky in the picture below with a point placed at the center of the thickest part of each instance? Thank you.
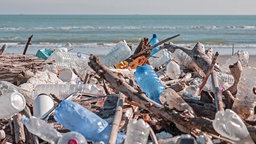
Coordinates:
(128, 7)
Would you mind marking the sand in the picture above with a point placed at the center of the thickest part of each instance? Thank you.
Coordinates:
(222, 60)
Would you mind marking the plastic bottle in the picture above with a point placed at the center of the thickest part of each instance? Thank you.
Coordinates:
(245, 101)
(154, 40)
(241, 55)
(121, 52)
(182, 58)
(137, 132)
(77, 118)
(185, 139)
(173, 70)
(225, 81)
(41, 129)
(63, 90)
(148, 81)
(160, 58)
(11, 103)
(228, 124)
(72, 138)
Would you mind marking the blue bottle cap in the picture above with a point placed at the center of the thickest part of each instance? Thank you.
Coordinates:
(154, 36)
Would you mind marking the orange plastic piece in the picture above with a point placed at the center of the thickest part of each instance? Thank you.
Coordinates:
(138, 61)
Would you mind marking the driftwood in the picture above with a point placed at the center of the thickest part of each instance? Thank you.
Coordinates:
(217, 92)
(202, 59)
(19, 132)
(13, 67)
(27, 44)
(117, 120)
(4, 47)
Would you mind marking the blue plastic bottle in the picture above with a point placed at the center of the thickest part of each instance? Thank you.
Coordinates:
(148, 81)
(154, 40)
(77, 118)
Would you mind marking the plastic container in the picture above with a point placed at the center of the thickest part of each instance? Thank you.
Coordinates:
(63, 90)
(67, 75)
(241, 55)
(182, 58)
(148, 81)
(72, 138)
(42, 104)
(230, 125)
(137, 132)
(77, 118)
(119, 53)
(41, 129)
(173, 70)
(185, 139)
(11, 103)
(225, 81)
(44, 53)
(160, 58)
(154, 40)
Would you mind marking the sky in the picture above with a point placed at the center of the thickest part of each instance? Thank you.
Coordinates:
(163, 7)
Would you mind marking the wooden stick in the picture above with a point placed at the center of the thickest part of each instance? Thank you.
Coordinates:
(4, 47)
(153, 136)
(208, 73)
(18, 129)
(117, 120)
(150, 48)
(217, 92)
(27, 44)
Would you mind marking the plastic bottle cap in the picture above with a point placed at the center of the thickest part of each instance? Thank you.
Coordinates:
(73, 141)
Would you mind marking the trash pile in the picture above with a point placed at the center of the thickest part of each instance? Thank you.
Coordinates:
(158, 93)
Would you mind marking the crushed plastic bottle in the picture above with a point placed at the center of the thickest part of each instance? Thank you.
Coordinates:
(72, 138)
(121, 52)
(173, 70)
(154, 40)
(245, 101)
(77, 118)
(160, 58)
(230, 125)
(148, 81)
(41, 129)
(137, 132)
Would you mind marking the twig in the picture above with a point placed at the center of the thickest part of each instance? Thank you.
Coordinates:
(211, 68)
(18, 129)
(4, 47)
(117, 120)
(27, 44)
(153, 136)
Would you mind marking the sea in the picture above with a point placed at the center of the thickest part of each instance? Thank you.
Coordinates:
(97, 34)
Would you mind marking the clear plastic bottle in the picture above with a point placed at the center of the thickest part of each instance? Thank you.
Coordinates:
(137, 132)
(241, 55)
(72, 138)
(121, 52)
(148, 81)
(182, 58)
(228, 124)
(154, 40)
(160, 58)
(173, 70)
(41, 129)
(63, 90)
(77, 118)
(11, 103)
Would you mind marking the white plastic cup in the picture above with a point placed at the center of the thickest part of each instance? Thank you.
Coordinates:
(42, 104)
(11, 103)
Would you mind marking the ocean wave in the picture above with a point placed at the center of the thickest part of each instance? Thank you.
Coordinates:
(70, 28)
